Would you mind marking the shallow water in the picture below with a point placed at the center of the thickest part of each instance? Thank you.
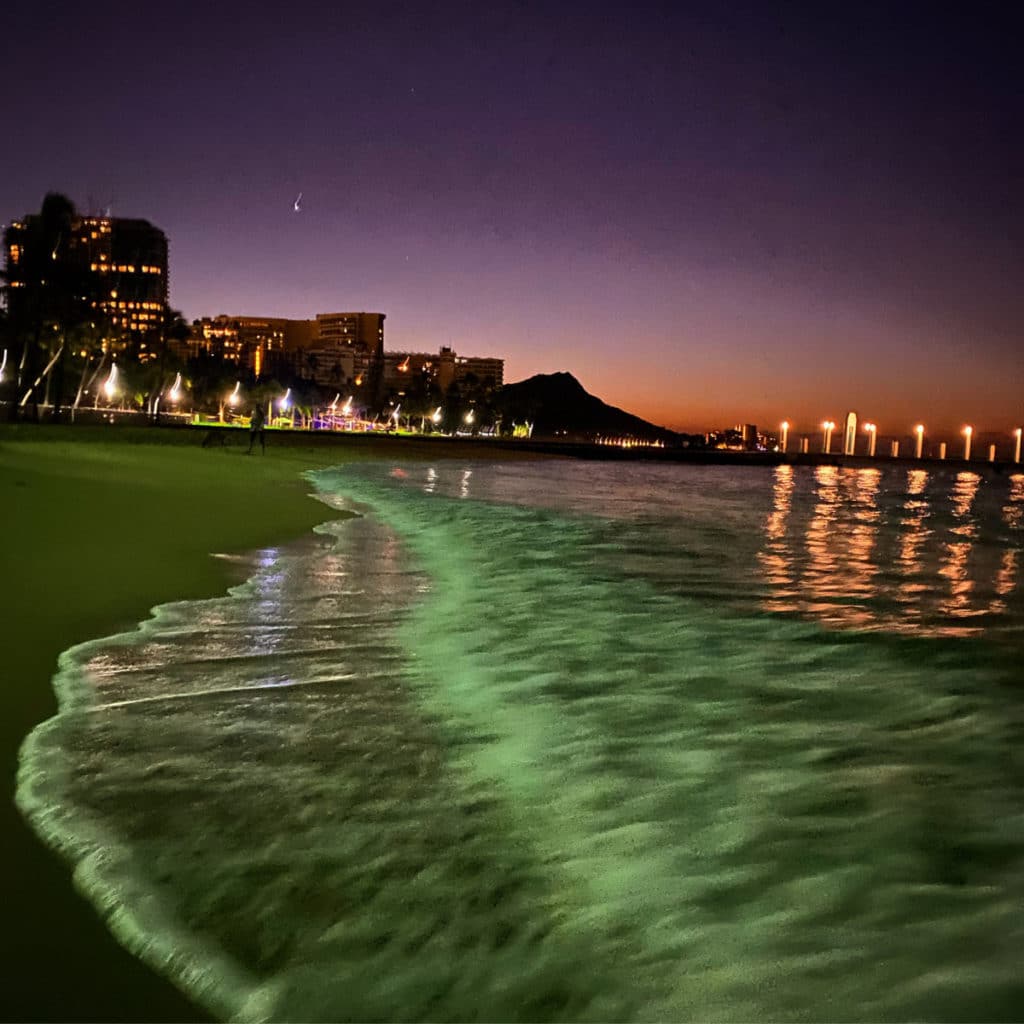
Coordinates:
(571, 741)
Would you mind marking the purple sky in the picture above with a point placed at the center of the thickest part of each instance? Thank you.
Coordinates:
(708, 217)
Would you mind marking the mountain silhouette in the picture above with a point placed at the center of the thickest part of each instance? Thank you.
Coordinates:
(560, 407)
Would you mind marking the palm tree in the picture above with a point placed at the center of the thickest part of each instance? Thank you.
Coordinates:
(5, 346)
(47, 290)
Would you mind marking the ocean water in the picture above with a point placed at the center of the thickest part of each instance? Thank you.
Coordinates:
(573, 741)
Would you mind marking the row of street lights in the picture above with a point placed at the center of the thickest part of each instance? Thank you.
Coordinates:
(871, 430)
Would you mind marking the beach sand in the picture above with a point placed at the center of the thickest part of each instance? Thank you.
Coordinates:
(100, 525)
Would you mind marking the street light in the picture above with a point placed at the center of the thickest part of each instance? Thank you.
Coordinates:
(785, 435)
(828, 426)
(919, 430)
(1016, 449)
(872, 431)
(234, 396)
(110, 384)
(469, 416)
(968, 431)
(286, 400)
(436, 416)
(175, 393)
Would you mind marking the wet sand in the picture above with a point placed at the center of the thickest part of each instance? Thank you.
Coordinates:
(100, 525)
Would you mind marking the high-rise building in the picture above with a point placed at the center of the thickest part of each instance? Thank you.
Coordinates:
(351, 330)
(257, 343)
(485, 370)
(121, 264)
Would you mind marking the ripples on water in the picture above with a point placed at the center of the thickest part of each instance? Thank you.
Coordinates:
(560, 741)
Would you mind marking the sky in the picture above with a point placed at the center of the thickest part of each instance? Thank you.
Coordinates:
(708, 213)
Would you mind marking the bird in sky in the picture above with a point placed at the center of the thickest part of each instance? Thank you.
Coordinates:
(298, 200)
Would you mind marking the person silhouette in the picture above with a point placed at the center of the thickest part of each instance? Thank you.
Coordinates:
(257, 429)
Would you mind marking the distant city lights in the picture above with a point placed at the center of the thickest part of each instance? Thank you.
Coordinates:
(826, 444)
(872, 431)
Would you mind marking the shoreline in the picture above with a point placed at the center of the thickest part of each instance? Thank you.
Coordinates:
(319, 442)
(103, 526)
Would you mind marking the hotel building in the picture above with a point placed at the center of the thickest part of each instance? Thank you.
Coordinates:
(340, 350)
(351, 330)
(260, 344)
(124, 264)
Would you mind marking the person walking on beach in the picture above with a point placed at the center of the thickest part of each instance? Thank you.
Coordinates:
(257, 425)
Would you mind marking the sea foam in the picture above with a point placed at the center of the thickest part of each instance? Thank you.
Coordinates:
(516, 745)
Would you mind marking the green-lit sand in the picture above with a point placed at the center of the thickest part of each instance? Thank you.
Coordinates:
(100, 525)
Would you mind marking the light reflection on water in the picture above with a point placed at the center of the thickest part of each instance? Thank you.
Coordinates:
(901, 551)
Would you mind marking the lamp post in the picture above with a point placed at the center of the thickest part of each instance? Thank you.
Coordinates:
(1016, 447)
(784, 440)
(826, 445)
(872, 431)
(919, 430)
(968, 431)
(110, 384)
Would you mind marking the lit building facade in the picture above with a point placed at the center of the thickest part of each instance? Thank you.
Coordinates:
(351, 330)
(351, 366)
(256, 343)
(444, 369)
(335, 367)
(335, 350)
(123, 263)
